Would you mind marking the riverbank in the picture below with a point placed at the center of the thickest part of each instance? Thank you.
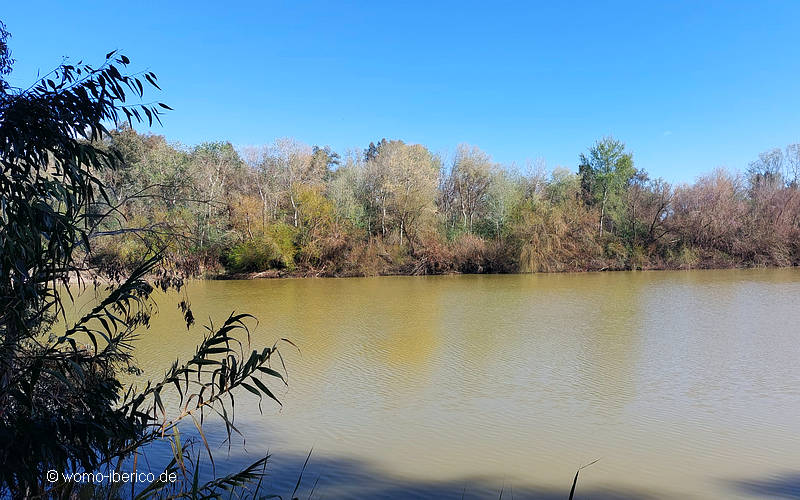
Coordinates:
(311, 273)
(397, 210)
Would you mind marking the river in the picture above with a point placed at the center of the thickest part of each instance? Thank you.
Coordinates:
(684, 384)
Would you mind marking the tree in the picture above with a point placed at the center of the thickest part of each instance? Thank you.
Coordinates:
(291, 162)
(766, 173)
(324, 159)
(266, 182)
(710, 213)
(773, 200)
(63, 405)
(371, 152)
(563, 185)
(214, 165)
(656, 205)
(410, 173)
(469, 177)
(346, 188)
(150, 168)
(6, 61)
(502, 196)
(792, 166)
(605, 173)
(375, 189)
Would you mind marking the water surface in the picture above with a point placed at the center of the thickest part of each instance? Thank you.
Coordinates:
(684, 384)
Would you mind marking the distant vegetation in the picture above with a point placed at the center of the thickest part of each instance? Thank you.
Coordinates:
(397, 208)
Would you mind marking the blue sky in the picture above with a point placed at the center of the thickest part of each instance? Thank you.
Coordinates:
(689, 86)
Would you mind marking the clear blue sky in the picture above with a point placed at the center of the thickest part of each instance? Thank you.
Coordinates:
(689, 86)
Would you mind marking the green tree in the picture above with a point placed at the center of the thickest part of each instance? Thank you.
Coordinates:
(563, 185)
(6, 61)
(324, 159)
(371, 152)
(605, 173)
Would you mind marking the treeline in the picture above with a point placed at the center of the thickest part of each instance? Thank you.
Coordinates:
(397, 208)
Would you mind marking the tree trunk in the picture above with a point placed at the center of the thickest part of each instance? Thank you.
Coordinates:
(603, 209)
(294, 206)
(383, 220)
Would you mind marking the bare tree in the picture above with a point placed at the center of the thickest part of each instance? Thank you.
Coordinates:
(792, 165)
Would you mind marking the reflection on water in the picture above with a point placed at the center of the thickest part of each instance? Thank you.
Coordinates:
(685, 384)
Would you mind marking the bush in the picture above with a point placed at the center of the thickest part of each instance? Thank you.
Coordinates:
(254, 255)
(276, 249)
(433, 256)
(469, 254)
(683, 257)
(283, 236)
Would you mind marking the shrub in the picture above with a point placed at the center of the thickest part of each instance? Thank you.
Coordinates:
(283, 236)
(254, 255)
(469, 254)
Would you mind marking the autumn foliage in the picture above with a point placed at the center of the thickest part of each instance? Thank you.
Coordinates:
(397, 208)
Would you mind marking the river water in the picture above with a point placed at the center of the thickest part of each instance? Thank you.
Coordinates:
(683, 384)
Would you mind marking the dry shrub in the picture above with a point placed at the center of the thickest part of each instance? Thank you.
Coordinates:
(501, 256)
(772, 227)
(433, 256)
(368, 258)
(710, 214)
(469, 254)
(559, 238)
(333, 255)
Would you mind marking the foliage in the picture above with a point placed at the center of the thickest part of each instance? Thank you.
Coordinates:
(605, 173)
(293, 209)
(63, 405)
(6, 61)
(253, 255)
(468, 184)
(396, 208)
